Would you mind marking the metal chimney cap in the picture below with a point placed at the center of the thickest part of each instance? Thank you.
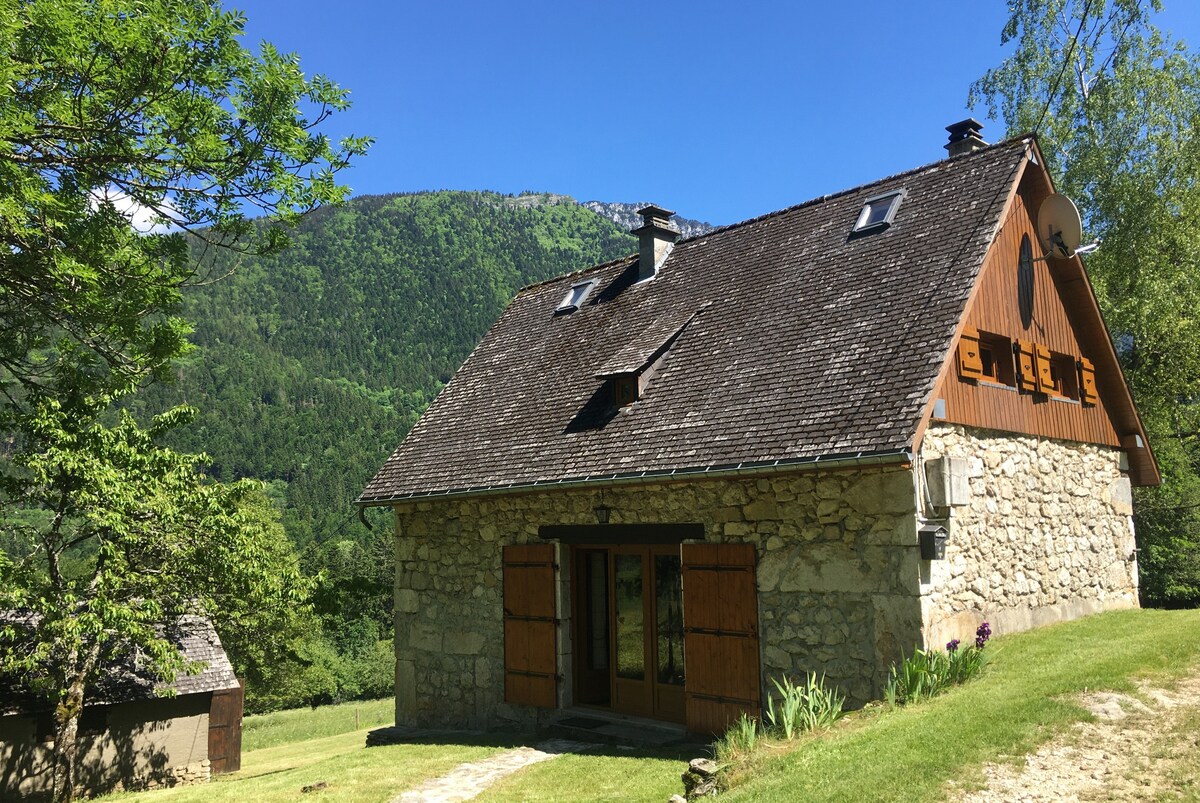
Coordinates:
(650, 210)
(964, 128)
(965, 138)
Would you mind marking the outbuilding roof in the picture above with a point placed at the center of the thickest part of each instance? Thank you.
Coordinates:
(783, 338)
(127, 680)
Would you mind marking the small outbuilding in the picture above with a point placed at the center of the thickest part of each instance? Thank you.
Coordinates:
(134, 733)
(807, 442)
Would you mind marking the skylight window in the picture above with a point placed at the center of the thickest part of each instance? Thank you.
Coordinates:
(878, 212)
(575, 296)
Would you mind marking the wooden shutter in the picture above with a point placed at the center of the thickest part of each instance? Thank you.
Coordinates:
(1045, 379)
(225, 729)
(530, 665)
(970, 363)
(1026, 367)
(1087, 382)
(720, 635)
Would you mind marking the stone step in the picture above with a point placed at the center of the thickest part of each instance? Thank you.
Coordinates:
(631, 732)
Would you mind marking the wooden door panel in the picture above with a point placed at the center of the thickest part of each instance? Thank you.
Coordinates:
(701, 596)
(709, 716)
(530, 622)
(720, 610)
(529, 582)
(225, 729)
(725, 666)
(632, 625)
(530, 690)
(524, 646)
(737, 600)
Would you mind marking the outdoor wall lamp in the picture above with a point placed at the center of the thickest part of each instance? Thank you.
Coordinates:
(933, 542)
(602, 513)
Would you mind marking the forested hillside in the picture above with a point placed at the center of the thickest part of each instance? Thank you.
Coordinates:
(314, 363)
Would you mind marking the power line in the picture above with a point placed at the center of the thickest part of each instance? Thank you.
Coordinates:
(1066, 61)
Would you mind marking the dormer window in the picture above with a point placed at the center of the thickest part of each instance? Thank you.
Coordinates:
(878, 212)
(626, 389)
(575, 297)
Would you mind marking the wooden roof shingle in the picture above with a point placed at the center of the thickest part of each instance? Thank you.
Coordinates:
(126, 680)
(798, 341)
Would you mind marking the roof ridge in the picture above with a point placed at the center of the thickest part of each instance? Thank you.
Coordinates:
(1023, 138)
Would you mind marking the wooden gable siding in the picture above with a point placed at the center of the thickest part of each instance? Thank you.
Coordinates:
(1056, 325)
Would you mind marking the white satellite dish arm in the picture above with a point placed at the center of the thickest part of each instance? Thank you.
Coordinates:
(1090, 248)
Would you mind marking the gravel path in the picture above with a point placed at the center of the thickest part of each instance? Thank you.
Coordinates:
(1125, 754)
(468, 780)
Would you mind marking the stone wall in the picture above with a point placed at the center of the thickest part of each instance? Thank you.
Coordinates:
(838, 574)
(1047, 535)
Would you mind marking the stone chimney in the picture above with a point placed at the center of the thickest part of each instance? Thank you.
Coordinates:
(964, 137)
(655, 238)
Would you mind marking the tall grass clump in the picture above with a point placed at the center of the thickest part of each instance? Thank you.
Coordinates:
(738, 741)
(803, 707)
(797, 708)
(927, 673)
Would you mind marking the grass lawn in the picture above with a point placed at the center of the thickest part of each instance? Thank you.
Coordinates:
(1022, 699)
(352, 772)
(607, 774)
(282, 727)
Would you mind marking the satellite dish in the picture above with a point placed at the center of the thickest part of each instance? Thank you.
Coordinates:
(1059, 226)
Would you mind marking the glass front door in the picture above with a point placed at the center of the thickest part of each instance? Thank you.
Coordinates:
(642, 615)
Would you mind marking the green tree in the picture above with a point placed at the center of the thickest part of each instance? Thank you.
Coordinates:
(134, 540)
(1115, 103)
(113, 111)
(119, 119)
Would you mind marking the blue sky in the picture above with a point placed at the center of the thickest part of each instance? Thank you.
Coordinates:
(718, 111)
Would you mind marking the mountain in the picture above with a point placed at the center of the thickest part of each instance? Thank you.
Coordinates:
(626, 216)
(314, 363)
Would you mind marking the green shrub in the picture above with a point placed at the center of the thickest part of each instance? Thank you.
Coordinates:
(803, 708)
(929, 672)
(739, 740)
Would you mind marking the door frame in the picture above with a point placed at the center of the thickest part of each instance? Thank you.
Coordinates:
(647, 697)
(708, 711)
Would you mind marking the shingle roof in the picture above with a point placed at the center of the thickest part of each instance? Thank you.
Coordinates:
(798, 341)
(124, 681)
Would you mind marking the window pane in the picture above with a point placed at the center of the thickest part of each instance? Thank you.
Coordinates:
(631, 645)
(879, 211)
(597, 570)
(668, 602)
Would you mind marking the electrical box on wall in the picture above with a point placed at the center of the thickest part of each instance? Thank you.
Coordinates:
(932, 540)
(946, 478)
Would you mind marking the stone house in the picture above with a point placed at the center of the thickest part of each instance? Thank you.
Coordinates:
(134, 733)
(802, 443)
